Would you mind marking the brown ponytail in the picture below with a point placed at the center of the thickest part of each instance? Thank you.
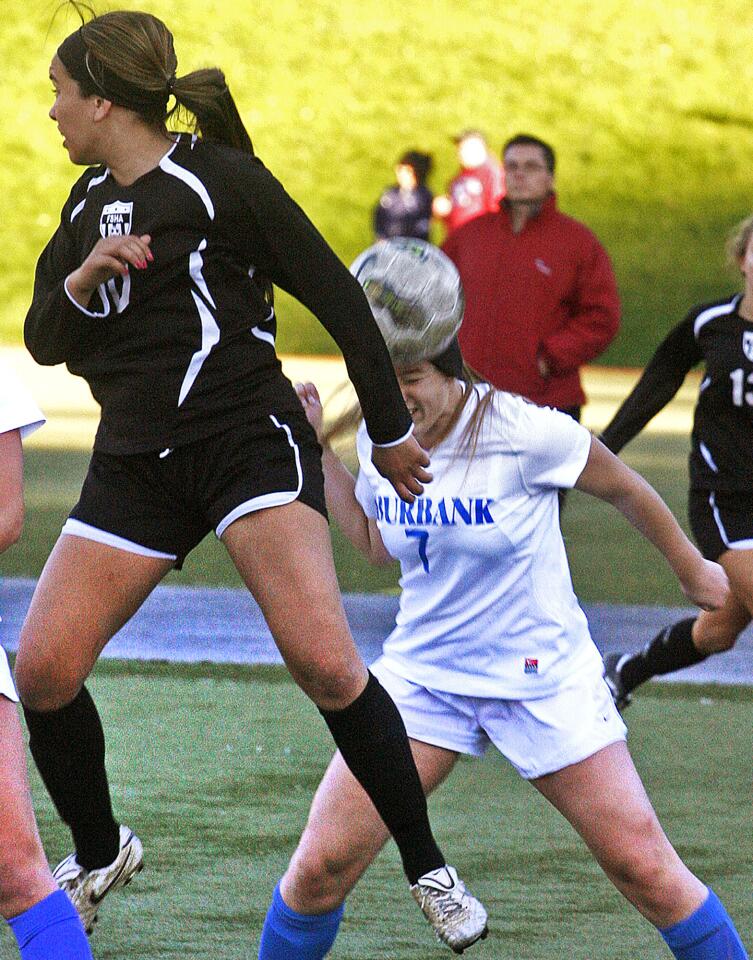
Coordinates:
(128, 57)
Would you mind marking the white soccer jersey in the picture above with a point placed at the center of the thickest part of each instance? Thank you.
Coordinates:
(17, 408)
(487, 606)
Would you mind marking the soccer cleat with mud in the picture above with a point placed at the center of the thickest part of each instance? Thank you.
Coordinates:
(457, 917)
(87, 888)
(613, 664)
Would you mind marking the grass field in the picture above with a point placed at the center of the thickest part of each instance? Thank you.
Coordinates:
(215, 768)
(610, 562)
(648, 103)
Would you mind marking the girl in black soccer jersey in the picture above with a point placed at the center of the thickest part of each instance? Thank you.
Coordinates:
(720, 502)
(156, 289)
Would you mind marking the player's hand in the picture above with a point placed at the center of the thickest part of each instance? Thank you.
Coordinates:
(312, 405)
(404, 465)
(706, 585)
(110, 257)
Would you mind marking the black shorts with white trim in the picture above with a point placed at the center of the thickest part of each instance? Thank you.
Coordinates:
(721, 520)
(163, 503)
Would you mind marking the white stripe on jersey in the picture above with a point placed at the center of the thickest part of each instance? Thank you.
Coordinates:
(210, 332)
(276, 499)
(190, 179)
(706, 454)
(719, 311)
(92, 183)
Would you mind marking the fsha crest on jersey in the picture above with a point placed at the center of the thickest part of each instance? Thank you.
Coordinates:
(116, 219)
(748, 344)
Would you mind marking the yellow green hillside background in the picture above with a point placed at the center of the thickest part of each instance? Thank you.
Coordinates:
(648, 104)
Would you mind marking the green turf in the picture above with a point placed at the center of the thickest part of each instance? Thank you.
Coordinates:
(215, 767)
(648, 103)
(610, 562)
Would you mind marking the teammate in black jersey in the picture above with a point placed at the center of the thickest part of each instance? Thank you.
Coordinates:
(720, 503)
(155, 289)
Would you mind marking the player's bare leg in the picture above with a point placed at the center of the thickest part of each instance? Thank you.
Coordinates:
(604, 799)
(344, 833)
(691, 640)
(284, 555)
(87, 591)
(24, 875)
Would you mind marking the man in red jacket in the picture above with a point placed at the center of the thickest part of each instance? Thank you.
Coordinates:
(541, 297)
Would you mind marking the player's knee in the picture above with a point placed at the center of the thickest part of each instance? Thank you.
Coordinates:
(44, 687)
(24, 875)
(644, 864)
(332, 686)
(318, 882)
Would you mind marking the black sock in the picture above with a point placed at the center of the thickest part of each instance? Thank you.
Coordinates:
(371, 737)
(670, 650)
(68, 746)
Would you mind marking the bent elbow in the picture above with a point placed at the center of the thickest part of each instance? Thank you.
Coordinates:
(42, 353)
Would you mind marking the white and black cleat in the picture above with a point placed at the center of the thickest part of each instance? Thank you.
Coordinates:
(456, 916)
(87, 889)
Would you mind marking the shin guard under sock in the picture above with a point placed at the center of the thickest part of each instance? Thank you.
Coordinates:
(287, 935)
(51, 930)
(707, 934)
(68, 746)
(670, 650)
(371, 737)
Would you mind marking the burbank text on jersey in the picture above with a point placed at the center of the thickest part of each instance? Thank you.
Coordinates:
(424, 512)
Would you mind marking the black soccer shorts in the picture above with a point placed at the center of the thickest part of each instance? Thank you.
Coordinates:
(163, 503)
(721, 520)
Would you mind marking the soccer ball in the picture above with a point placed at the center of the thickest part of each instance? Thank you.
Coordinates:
(415, 294)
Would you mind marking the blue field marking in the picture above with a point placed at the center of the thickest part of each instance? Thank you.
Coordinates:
(224, 625)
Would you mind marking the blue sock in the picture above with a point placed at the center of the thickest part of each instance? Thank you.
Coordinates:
(287, 935)
(707, 934)
(51, 930)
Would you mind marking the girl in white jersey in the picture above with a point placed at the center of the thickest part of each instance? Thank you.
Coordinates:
(41, 916)
(490, 645)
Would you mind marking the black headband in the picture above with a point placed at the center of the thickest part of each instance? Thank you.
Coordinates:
(90, 73)
(450, 361)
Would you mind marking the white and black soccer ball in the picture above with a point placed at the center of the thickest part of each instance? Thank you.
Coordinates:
(415, 294)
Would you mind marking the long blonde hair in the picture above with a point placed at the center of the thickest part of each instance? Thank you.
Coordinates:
(738, 240)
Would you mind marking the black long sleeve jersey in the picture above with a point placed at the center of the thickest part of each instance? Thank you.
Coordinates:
(186, 348)
(721, 456)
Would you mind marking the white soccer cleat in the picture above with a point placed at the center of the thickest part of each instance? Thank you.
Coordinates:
(458, 918)
(87, 889)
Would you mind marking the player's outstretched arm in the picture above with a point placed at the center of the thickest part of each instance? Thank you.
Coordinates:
(340, 485)
(608, 478)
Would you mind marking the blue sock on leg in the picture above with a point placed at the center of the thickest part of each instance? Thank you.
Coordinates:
(287, 935)
(51, 930)
(707, 934)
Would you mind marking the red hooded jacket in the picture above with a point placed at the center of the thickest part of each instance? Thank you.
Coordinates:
(548, 291)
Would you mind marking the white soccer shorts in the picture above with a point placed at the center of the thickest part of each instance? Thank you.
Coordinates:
(536, 736)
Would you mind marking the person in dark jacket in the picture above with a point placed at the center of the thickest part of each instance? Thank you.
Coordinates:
(404, 209)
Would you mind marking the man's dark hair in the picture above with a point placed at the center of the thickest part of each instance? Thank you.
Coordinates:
(527, 140)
